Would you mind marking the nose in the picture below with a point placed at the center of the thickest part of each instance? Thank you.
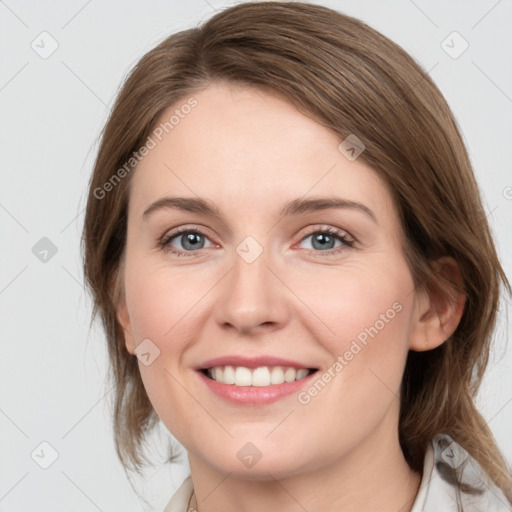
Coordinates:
(253, 298)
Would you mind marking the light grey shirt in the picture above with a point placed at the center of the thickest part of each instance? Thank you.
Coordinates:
(444, 459)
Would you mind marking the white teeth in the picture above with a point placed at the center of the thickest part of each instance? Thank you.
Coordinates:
(277, 375)
(243, 376)
(290, 374)
(261, 376)
(303, 372)
(229, 375)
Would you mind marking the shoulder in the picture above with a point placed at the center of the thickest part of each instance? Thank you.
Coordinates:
(457, 481)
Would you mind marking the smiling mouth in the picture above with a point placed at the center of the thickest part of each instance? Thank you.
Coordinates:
(261, 376)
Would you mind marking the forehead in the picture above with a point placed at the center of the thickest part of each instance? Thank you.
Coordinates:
(241, 145)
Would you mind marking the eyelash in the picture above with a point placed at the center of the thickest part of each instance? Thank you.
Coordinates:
(164, 243)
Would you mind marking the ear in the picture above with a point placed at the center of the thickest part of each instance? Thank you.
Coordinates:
(123, 318)
(438, 314)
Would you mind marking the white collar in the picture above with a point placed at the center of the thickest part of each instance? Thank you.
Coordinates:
(445, 461)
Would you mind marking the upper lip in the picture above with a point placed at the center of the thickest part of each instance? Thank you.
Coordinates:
(251, 362)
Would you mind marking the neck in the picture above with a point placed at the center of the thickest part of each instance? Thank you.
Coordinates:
(374, 477)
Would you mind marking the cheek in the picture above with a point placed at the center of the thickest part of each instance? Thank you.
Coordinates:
(368, 317)
(362, 318)
(165, 308)
(161, 303)
(355, 303)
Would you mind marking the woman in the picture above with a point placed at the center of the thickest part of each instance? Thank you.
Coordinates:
(286, 244)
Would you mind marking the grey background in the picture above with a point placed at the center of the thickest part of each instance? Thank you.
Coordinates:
(52, 109)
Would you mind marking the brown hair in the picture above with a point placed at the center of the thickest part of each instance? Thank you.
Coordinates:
(353, 80)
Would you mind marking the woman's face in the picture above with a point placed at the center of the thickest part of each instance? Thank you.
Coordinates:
(262, 291)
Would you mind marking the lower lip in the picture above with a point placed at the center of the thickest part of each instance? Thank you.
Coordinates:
(254, 395)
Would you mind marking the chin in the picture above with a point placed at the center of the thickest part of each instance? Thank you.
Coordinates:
(249, 463)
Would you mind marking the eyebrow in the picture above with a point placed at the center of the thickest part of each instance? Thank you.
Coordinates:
(293, 207)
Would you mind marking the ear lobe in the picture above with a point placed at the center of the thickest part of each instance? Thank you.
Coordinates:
(439, 313)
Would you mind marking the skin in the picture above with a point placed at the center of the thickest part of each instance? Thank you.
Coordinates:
(249, 152)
